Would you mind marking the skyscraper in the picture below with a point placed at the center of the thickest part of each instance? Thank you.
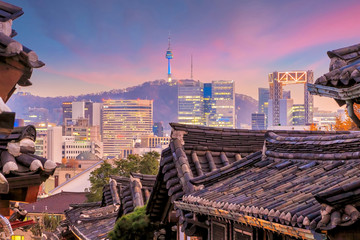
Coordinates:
(210, 104)
(190, 102)
(83, 109)
(258, 121)
(124, 120)
(209, 110)
(263, 100)
(223, 97)
(276, 81)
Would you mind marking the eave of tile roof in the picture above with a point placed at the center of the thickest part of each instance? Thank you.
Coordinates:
(56, 203)
(283, 190)
(120, 196)
(342, 81)
(9, 11)
(196, 152)
(25, 169)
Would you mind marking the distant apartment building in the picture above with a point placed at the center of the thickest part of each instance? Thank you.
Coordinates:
(81, 129)
(36, 115)
(71, 148)
(54, 142)
(123, 121)
(190, 102)
(211, 104)
(298, 115)
(263, 100)
(258, 121)
(82, 110)
(325, 120)
(154, 141)
(51, 144)
(158, 129)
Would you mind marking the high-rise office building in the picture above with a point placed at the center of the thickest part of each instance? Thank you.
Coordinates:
(263, 100)
(258, 121)
(66, 111)
(190, 102)
(209, 110)
(158, 129)
(71, 148)
(223, 98)
(123, 121)
(211, 104)
(81, 110)
(276, 81)
(298, 114)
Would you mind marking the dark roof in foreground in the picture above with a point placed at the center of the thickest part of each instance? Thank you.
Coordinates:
(20, 168)
(197, 151)
(55, 204)
(306, 183)
(342, 80)
(121, 196)
(9, 11)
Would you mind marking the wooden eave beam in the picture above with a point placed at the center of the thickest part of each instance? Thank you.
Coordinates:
(333, 92)
(252, 221)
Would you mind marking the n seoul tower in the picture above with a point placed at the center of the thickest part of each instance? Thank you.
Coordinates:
(169, 56)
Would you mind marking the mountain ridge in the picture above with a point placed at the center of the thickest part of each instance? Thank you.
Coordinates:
(163, 94)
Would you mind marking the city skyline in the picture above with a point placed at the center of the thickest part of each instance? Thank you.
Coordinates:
(93, 46)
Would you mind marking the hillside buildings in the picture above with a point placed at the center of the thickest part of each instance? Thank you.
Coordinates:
(123, 121)
(211, 104)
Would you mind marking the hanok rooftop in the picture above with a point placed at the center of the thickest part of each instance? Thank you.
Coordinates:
(22, 172)
(244, 184)
(95, 220)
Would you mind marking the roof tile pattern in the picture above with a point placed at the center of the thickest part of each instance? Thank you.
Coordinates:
(284, 184)
(344, 70)
(196, 151)
(120, 196)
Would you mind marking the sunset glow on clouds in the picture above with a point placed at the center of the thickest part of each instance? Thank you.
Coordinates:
(91, 46)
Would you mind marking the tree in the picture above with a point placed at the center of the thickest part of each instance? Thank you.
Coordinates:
(72, 163)
(345, 124)
(313, 127)
(98, 179)
(133, 226)
(145, 164)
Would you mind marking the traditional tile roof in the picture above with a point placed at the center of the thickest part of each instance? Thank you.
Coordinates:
(341, 82)
(8, 11)
(89, 220)
(344, 70)
(18, 163)
(55, 204)
(18, 59)
(130, 192)
(120, 196)
(196, 152)
(302, 182)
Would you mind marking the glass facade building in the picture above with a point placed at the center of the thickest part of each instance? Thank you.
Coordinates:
(123, 121)
(210, 104)
(190, 102)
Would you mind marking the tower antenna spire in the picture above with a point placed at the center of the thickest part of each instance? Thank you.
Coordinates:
(191, 76)
(169, 56)
(169, 41)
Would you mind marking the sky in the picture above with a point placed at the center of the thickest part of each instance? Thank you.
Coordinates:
(97, 45)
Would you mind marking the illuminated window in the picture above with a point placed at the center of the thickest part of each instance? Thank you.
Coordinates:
(16, 237)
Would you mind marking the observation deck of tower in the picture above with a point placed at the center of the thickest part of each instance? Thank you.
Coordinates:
(169, 55)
